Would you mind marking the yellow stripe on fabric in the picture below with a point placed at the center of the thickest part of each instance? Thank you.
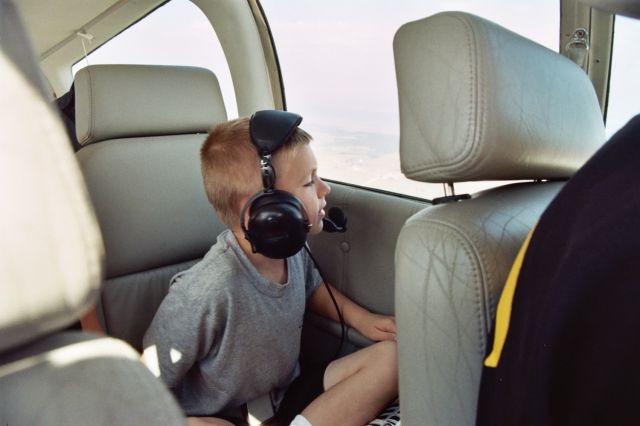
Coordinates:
(503, 315)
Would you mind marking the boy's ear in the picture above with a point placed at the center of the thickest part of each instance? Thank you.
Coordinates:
(242, 202)
(241, 205)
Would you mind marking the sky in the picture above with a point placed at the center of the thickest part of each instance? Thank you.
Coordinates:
(351, 46)
(624, 90)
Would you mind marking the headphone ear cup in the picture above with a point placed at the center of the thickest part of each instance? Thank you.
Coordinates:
(278, 224)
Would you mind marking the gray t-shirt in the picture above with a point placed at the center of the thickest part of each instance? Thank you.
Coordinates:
(224, 334)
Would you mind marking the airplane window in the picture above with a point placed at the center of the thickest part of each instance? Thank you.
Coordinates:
(624, 86)
(178, 33)
(337, 66)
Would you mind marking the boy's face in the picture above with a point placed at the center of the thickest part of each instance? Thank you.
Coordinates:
(299, 176)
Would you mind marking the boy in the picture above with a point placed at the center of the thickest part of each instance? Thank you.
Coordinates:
(229, 329)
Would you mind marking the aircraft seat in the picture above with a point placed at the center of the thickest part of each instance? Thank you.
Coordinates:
(141, 128)
(51, 256)
(477, 102)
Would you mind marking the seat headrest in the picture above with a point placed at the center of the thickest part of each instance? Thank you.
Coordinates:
(50, 251)
(479, 102)
(120, 101)
(622, 7)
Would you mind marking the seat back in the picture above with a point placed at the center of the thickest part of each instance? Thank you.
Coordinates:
(51, 256)
(141, 128)
(477, 102)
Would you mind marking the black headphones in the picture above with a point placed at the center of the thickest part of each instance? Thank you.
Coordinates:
(278, 223)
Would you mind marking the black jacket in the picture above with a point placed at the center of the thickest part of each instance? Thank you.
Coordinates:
(572, 354)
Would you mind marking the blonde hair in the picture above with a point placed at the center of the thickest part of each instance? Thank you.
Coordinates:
(230, 166)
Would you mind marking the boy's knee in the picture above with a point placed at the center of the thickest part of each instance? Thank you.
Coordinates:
(385, 366)
(387, 352)
(390, 354)
(385, 358)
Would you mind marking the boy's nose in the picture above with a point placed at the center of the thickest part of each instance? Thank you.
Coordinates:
(323, 189)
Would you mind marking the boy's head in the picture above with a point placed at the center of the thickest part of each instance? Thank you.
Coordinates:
(231, 167)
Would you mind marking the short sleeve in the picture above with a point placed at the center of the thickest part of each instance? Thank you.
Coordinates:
(312, 278)
(181, 333)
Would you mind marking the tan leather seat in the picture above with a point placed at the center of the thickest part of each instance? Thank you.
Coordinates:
(477, 102)
(141, 128)
(51, 257)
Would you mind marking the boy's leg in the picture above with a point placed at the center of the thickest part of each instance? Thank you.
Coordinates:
(358, 386)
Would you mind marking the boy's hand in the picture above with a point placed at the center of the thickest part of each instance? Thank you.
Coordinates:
(378, 327)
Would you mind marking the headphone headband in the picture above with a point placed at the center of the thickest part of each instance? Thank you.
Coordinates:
(268, 173)
(269, 130)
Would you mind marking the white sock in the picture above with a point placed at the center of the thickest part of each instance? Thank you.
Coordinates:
(300, 421)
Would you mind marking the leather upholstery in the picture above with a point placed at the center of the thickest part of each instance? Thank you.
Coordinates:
(75, 379)
(476, 102)
(144, 180)
(119, 101)
(51, 258)
(451, 263)
(150, 201)
(44, 208)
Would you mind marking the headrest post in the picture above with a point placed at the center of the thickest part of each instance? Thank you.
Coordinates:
(449, 189)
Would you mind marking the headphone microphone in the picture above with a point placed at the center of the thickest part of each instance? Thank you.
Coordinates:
(336, 222)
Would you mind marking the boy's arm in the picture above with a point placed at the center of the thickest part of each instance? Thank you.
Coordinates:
(372, 326)
(89, 322)
(177, 337)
